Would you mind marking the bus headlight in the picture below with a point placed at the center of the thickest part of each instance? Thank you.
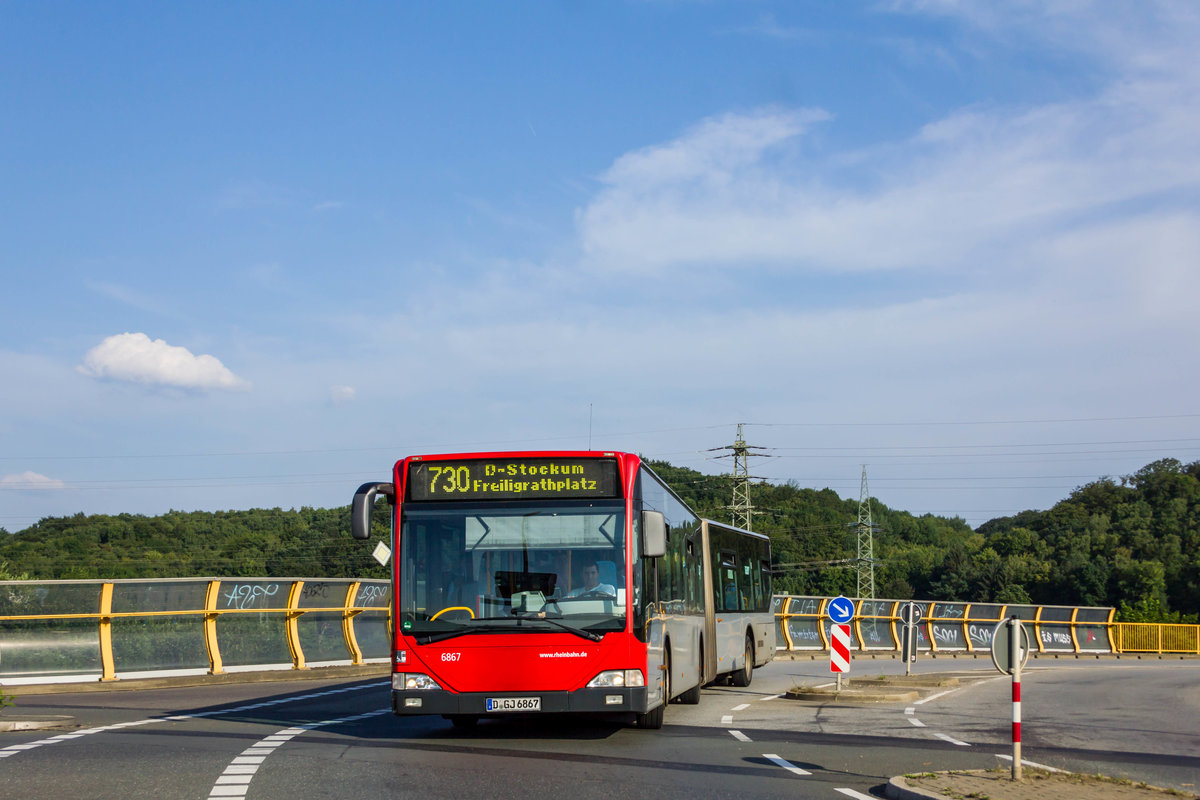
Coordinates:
(616, 678)
(413, 680)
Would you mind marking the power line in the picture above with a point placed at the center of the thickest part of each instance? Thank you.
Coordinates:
(945, 423)
(971, 446)
(526, 441)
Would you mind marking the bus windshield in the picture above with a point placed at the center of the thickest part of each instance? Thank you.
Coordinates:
(512, 567)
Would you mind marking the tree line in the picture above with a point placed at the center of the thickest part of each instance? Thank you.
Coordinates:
(1130, 542)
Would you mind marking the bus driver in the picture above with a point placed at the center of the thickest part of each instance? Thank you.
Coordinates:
(591, 582)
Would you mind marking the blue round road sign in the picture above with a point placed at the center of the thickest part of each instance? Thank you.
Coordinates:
(841, 610)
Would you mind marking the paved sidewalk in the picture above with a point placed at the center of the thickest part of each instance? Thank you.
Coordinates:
(1034, 785)
(996, 784)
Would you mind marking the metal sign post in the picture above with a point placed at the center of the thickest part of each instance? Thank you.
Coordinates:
(1011, 646)
(910, 615)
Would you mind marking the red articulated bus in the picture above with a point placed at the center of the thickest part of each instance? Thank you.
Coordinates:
(562, 582)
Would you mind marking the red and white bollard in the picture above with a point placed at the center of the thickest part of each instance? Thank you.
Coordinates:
(1015, 647)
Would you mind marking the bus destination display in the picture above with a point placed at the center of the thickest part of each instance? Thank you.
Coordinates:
(513, 479)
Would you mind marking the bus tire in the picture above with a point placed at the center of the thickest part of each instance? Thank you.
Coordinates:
(746, 674)
(692, 696)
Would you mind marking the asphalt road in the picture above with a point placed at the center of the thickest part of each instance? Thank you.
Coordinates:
(318, 739)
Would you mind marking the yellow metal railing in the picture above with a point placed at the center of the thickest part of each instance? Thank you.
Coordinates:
(802, 624)
(1142, 637)
(235, 597)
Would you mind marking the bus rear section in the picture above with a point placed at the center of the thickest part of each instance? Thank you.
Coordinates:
(738, 589)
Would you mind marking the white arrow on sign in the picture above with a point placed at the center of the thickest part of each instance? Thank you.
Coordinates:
(841, 610)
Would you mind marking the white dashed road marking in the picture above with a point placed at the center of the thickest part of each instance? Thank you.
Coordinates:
(741, 737)
(789, 766)
(235, 780)
(854, 794)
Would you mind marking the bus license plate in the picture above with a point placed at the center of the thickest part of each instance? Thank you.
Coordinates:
(514, 704)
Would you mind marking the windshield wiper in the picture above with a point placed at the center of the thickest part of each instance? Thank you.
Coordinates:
(430, 638)
(506, 626)
(540, 616)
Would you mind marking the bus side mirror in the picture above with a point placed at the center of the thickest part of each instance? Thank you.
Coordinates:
(364, 502)
(654, 534)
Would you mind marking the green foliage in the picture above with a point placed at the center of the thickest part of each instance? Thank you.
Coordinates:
(1132, 543)
(7, 574)
(307, 542)
(1149, 609)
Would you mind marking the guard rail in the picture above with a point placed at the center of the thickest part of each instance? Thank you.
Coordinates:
(107, 630)
(954, 627)
(88, 630)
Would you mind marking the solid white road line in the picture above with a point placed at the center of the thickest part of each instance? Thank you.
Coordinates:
(13, 750)
(951, 740)
(924, 700)
(1033, 764)
(790, 767)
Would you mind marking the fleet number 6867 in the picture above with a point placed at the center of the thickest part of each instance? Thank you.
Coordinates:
(451, 656)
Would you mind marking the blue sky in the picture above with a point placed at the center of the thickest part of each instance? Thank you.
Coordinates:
(254, 253)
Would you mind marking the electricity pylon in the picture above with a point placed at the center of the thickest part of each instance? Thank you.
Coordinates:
(865, 563)
(742, 508)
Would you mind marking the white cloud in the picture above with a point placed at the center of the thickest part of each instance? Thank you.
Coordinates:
(757, 189)
(30, 481)
(341, 394)
(136, 358)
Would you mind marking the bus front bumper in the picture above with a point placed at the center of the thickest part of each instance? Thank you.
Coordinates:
(582, 701)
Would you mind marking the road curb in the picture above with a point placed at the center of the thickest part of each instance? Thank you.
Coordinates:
(890, 689)
(17, 722)
(898, 789)
(855, 695)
